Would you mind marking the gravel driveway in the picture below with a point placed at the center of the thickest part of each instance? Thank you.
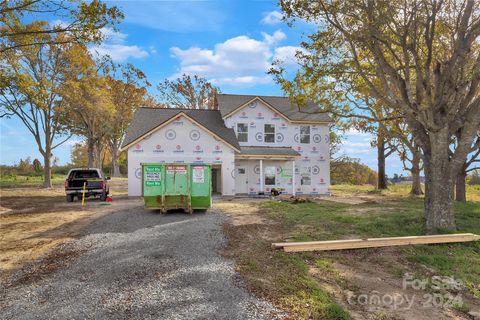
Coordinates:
(138, 264)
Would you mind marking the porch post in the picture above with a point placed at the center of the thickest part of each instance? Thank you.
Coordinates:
(293, 177)
(261, 176)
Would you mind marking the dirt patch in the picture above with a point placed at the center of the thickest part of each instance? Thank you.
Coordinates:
(369, 288)
(346, 200)
(52, 262)
(34, 221)
(242, 211)
(360, 211)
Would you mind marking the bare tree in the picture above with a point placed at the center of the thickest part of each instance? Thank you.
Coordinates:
(188, 92)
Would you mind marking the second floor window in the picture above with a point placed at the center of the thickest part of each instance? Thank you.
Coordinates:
(304, 134)
(269, 133)
(242, 132)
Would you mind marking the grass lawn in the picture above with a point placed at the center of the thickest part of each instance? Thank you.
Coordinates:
(21, 180)
(287, 278)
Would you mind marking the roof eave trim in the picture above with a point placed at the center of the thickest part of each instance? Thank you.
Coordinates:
(311, 121)
(268, 155)
(275, 110)
(265, 102)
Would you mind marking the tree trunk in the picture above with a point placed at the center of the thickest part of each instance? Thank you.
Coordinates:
(98, 155)
(382, 180)
(47, 169)
(439, 184)
(90, 152)
(416, 184)
(115, 163)
(460, 188)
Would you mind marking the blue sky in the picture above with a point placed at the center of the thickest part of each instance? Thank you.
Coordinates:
(231, 43)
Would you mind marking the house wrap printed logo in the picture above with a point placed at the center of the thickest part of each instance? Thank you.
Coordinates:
(198, 149)
(178, 149)
(217, 149)
(158, 149)
(138, 148)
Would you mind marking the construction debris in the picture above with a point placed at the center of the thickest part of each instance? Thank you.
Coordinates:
(295, 199)
(373, 242)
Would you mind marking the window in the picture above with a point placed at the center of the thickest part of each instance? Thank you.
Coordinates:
(269, 133)
(305, 177)
(85, 174)
(304, 134)
(270, 173)
(242, 132)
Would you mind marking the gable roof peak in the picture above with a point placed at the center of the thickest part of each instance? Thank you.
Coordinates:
(229, 103)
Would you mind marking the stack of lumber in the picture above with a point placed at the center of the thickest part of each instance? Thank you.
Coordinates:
(373, 242)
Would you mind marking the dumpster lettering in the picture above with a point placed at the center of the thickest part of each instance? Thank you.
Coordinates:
(198, 174)
(153, 176)
(176, 169)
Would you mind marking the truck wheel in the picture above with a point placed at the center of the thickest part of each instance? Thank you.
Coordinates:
(69, 197)
(103, 196)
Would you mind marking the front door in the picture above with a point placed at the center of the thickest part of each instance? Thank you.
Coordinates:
(241, 181)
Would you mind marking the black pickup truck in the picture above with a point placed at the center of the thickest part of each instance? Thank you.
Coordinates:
(94, 180)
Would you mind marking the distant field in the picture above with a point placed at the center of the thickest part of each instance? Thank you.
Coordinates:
(22, 180)
(32, 181)
(399, 190)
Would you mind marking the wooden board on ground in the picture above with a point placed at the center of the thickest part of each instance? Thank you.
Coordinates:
(373, 242)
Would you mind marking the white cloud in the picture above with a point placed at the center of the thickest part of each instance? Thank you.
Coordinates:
(115, 47)
(356, 132)
(272, 17)
(113, 36)
(348, 144)
(120, 52)
(152, 50)
(237, 61)
(286, 54)
(72, 142)
(58, 23)
(276, 37)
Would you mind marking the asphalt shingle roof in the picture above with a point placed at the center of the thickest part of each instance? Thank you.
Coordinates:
(270, 151)
(229, 102)
(147, 119)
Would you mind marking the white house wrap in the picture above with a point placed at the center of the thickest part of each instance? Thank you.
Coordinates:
(254, 144)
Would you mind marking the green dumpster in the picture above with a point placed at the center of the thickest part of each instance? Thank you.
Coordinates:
(177, 186)
(201, 182)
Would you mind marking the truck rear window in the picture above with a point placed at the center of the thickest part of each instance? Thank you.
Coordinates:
(85, 174)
